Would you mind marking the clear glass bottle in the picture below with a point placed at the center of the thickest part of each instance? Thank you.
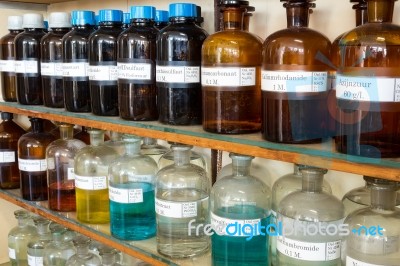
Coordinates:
(255, 170)
(75, 62)
(379, 246)
(294, 80)
(161, 19)
(109, 257)
(302, 212)
(27, 60)
(59, 250)
(230, 71)
(366, 87)
(182, 194)
(115, 141)
(178, 67)
(83, 256)
(103, 70)
(60, 156)
(32, 161)
(168, 158)
(36, 246)
(151, 148)
(10, 132)
(137, 90)
(18, 238)
(91, 183)
(51, 68)
(126, 20)
(131, 192)
(243, 199)
(7, 59)
(84, 135)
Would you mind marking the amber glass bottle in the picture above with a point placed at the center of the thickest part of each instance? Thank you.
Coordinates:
(367, 86)
(294, 80)
(137, 90)
(230, 76)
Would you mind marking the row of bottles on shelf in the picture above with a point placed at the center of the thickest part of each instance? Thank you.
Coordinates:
(286, 87)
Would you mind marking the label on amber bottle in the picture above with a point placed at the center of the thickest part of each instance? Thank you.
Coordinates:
(7, 156)
(103, 72)
(91, 182)
(27, 66)
(51, 69)
(75, 69)
(294, 81)
(177, 209)
(125, 195)
(138, 71)
(31, 165)
(228, 76)
(352, 262)
(7, 66)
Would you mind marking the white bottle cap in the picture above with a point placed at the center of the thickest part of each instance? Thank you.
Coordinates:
(33, 21)
(59, 20)
(14, 23)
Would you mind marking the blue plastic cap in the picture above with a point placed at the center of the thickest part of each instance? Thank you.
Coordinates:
(96, 20)
(145, 12)
(182, 10)
(126, 18)
(162, 16)
(110, 15)
(45, 24)
(82, 17)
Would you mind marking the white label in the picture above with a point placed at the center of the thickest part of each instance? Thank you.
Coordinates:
(51, 69)
(144, 178)
(177, 210)
(368, 89)
(103, 73)
(26, 66)
(228, 76)
(139, 71)
(35, 261)
(75, 69)
(294, 81)
(51, 164)
(178, 74)
(353, 262)
(7, 65)
(90, 182)
(71, 173)
(308, 251)
(126, 195)
(32, 165)
(221, 223)
(7, 156)
(12, 254)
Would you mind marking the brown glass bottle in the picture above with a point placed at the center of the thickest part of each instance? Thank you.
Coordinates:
(10, 132)
(294, 80)
(367, 86)
(231, 64)
(32, 161)
(7, 58)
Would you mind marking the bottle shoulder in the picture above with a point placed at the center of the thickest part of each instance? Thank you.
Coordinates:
(372, 34)
(44, 138)
(51, 38)
(182, 32)
(8, 39)
(29, 37)
(80, 35)
(104, 34)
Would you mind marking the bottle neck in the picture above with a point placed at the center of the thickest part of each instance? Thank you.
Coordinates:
(43, 229)
(108, 259)
(132, 147)
(383, 197)
(178, 20)
(84, 27)
(297, 14)
(312, 180)
(142, 22)
(361, 14)
(380, 10)
(60, 30)
(110, 24)
(181, 157)
(96, 138)
(241, 167)
(82, 250)
(15, 31)
(233, 18)
(246, 22)
(149, 141)
(66, 132)
(23, 221)
(34, 30)
(296, 170)
(37, 125)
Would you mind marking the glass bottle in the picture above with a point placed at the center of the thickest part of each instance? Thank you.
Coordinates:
(255, 170)
(109, 257)
(18, 238)
(199, 19)
(115, 141)
(302, 212)
(51, 67)
(294, 80)
(36, 246)
(59, 250)
(161, 19)
(103, 70)
(151, 148)
(131, 192)
(27, 64)
(75, 62)
(178, 67)
(182, 193)
(32, 161)
(83, 256)
(91, 184)
(60, 156)
(231, 61)
(240, 198)
(137, 90)
(7, 59)
(126, 20)
(168, 158)
(366, 87)
(10, 132)
(374, 239)
(84, 135)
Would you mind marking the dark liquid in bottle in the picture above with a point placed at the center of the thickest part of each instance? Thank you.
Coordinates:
(34, 186)
(62, 195)
(138, 102)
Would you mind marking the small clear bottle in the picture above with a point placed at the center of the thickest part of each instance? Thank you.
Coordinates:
(126, 20)
(83, 256)
(116, 142)
(244, 199)
(51, 67)
(131, 192)
(374, 239)
(7, 59)
(36, 246)
(59, 250)
(27, 60)
(168, 158)
(161, 19)
(109, 257)
(182, 195)
(91, 182)
(151, 148)
(18, 238)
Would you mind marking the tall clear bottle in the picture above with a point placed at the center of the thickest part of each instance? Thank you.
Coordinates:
(366, 87)
(91, 182)
(32, 161)
(303, 211)
(137, 90)
(131, 192)
(83, 256)
(103, 70)
(27, 60)
(60, 156)
(60, 249)
(7, 59)
(381, 246)
(230, 76)
(182, 194)
(178, 67)
(10, 132)
(151, 148)
(243, 199)
(51, 67)
(75, 62)
(294, 80)
(36, 246)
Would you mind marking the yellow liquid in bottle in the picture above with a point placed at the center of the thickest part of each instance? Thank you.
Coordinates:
(92, 206)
